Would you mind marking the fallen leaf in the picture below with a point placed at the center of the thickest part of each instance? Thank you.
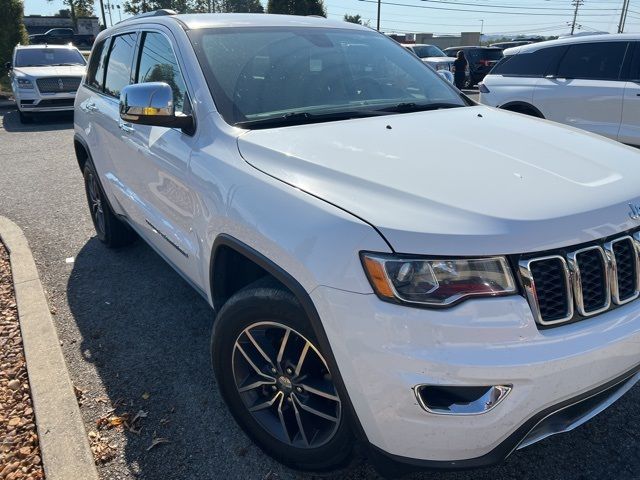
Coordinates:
(157, 441)
(139, 415)
(146, 395)
(116, 420)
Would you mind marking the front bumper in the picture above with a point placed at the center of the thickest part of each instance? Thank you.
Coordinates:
(33, 101)
(384, 350)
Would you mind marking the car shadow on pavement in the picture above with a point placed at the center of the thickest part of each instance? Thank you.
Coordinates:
(41, 122)
(146, 332)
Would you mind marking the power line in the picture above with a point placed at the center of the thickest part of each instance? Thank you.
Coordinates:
(521, 13)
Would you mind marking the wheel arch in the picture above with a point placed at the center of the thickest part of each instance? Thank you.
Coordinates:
(522, 107)
(82, 151)
(226, 243)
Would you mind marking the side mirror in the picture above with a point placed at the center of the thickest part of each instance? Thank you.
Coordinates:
(447, 75)
(8, 66)
(152, 104)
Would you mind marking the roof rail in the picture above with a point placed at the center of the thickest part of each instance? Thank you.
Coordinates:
(156, 13)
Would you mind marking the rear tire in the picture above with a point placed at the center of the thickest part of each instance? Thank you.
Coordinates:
(110, 230)
(259, 338)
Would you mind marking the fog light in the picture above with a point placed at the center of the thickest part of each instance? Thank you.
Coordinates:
(453, 400)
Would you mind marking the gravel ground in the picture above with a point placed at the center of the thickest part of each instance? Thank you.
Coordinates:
(136, 338)
(19, 450)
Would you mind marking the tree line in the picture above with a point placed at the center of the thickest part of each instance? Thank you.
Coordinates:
(288, 7)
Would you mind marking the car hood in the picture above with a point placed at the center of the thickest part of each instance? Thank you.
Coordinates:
(464, 181)
(51, 71)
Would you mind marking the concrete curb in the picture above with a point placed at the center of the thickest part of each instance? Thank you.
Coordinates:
(66, 454)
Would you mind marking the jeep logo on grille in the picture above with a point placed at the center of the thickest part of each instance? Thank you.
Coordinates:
(635, 211)
(61, 84)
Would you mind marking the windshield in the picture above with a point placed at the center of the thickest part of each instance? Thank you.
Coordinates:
(262, 73)
(32, 57)
(425, 51)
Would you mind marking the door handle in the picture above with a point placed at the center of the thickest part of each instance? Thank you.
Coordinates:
(126, 127)
(90, 107)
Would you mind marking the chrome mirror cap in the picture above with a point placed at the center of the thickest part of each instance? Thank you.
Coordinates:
(151, 104)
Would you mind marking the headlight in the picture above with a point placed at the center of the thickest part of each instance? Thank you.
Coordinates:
(25, 83)
(437, 282)
(441, 66)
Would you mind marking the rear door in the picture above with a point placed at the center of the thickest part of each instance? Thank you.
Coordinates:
(630, 125)
(111, 139)
(587, 90)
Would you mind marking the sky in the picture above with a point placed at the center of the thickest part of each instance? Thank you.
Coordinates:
(509, 17)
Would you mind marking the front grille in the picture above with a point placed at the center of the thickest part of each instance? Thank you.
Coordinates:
(584, 281)
(58, 84)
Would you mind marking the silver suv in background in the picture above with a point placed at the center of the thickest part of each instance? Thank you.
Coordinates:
(45, 78)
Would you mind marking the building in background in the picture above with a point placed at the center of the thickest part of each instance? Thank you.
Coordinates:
(446, 41)
(40, 24)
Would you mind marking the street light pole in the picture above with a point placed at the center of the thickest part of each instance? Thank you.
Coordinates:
(379, 4)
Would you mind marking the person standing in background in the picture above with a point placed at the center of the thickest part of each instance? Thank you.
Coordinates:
(460, 69)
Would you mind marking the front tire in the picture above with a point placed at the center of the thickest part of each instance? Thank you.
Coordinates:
(276, 382)
(25, 118)
(110, 230)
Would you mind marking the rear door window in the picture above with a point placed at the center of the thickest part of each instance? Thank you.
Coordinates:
(534, 64)
(95, 71)
(593, 61)
(119, 64)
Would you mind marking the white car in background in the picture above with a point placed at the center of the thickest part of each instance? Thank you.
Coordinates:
(431, 55)
(590, 82)
(45, 78)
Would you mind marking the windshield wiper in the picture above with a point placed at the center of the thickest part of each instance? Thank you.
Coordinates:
(418, 107)
(64, 64)
(302, 118)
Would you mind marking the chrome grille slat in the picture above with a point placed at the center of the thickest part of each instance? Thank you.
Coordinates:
(584, 289)
(621, 273)
(591, 280)
(538, 300)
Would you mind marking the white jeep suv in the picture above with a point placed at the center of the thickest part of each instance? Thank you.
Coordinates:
(589, 82)
(45, 78)
(442, 308)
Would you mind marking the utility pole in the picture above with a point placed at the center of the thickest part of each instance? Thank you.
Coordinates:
(379, 3)
(623, 15)
(104, 18)
(577, 4)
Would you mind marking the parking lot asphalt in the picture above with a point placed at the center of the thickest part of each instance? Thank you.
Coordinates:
(136, 336)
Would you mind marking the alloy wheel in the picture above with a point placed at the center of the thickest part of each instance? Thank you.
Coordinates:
(285, 384)
(95, 203)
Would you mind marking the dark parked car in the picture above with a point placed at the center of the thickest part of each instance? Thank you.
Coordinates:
(481, 61)
(61, 36)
